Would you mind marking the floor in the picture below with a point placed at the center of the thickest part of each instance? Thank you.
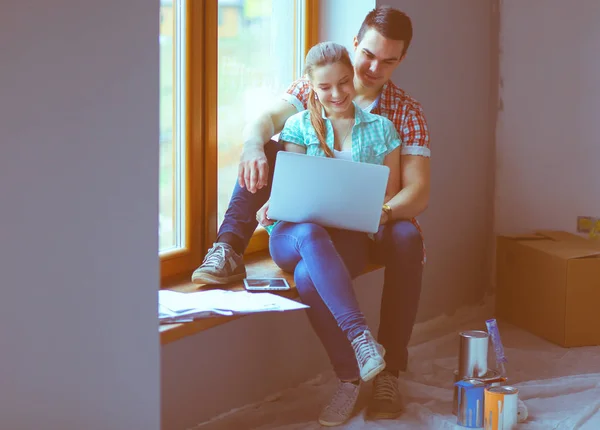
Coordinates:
(560, 387)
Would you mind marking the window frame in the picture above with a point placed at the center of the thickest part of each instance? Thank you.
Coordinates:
(201, 139)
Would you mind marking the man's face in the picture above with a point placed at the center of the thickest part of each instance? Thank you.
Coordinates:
(376, 58)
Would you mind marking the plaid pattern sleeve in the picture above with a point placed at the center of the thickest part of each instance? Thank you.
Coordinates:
(408, 117)
(415, 134)
(297, 94)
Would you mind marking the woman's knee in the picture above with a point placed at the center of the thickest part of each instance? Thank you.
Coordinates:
(309, 233)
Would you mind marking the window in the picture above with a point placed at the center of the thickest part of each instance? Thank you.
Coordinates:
(221, 62)
(171, 134)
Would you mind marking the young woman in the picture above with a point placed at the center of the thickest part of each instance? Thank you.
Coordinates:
(325, 260)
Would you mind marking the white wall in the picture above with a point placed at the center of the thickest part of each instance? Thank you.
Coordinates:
(229, 366)
(78, 233)
(548, 168)
(340, 22)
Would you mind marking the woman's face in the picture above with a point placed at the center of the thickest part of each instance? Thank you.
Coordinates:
(334, 86)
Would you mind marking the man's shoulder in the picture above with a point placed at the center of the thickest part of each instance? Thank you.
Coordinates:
(396, 98)
(300, 84)
(297, 93)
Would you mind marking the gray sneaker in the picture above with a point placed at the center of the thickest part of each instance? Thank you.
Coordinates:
(341, 405)
(221, 265)
(369, 355)
(386, 401)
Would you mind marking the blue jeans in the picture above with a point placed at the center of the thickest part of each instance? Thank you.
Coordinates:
(319, 258)
(397, 246)
(240, 217)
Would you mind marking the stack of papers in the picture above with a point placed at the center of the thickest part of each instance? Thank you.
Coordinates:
(174, 307)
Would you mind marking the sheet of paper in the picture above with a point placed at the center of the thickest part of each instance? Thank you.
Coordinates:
(243, 301)
(179, 302)
(220, 302)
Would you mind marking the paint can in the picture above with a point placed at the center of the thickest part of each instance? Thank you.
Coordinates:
(471, 394)
(501, 406)
(492, 378)
(473, 354)
(455, 396)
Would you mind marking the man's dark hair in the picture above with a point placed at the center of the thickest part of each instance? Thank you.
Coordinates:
(390, 23)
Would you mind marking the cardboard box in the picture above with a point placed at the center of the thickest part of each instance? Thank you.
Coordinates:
(548, 283)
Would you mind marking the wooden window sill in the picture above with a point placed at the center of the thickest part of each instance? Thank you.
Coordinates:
(258, 265)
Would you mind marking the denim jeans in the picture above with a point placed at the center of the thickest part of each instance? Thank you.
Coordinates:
(240, 217)
(397, 246)
(319, 258)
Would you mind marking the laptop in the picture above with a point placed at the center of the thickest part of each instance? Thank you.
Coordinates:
(328, 191)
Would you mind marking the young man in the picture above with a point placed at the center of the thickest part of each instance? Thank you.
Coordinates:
(379, 48)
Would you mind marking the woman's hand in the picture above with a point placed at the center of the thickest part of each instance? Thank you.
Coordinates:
(262, 216)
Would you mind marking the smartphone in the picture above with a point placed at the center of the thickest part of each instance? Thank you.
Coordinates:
(266, 284)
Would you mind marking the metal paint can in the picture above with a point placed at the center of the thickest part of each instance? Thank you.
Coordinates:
(470, 403)
(455, 396)
(501, 406)
(473, 354)
(492, 378)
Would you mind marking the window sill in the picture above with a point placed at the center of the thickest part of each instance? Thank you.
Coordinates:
(258, 265)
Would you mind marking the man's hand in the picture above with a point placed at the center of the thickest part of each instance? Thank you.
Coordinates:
(384, 218)
(262, 216)
(253, 171)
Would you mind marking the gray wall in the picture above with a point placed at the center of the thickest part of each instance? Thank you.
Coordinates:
(548, 169)
(450, 70)
(78, 188)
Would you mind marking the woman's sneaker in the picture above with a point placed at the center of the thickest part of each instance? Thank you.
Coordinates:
(341, 405)
(221, 265)
(369, 355)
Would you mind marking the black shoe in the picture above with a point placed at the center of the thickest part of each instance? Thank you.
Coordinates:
(386, 401)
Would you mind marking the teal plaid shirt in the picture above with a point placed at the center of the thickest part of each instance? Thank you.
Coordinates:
(373, 136)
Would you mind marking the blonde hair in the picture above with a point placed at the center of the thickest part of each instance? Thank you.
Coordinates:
(323, 54)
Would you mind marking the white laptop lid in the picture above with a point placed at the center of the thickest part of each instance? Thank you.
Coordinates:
(327, 191)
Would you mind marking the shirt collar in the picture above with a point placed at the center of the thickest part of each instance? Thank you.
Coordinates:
(383, 99)
(359, 115)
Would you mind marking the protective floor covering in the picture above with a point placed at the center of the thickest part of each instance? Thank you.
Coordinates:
(560, 387)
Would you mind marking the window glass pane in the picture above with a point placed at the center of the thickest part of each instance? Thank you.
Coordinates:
(257, 48)
(172, 126)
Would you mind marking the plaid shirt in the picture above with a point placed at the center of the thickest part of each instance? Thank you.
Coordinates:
(395, 104)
